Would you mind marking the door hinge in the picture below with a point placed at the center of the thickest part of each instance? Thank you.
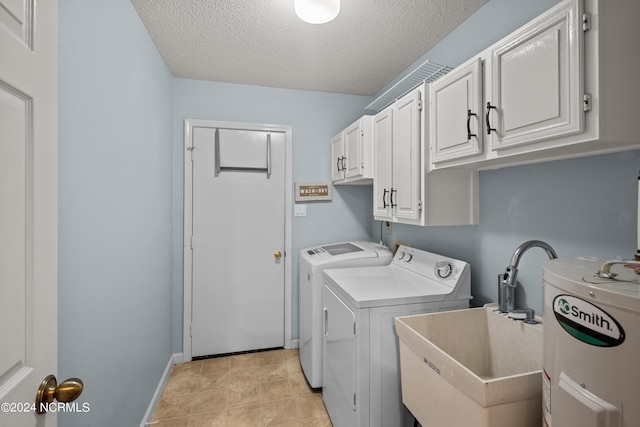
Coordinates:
(586, 102)
(419, 104)
(190, 150)
(354, 328)
(191, 243)
(354, 400)
(419, 204)
(586, 22)
(190, 329)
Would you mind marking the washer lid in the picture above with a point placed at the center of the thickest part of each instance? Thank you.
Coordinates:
(342, 251)
(341, 248)
(386, 285)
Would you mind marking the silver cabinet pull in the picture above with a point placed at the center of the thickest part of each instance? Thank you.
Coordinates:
(268, 155)
(216, 149)
(326, 321)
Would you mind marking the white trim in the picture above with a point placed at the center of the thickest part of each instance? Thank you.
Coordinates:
(189, 124)
(155, 400)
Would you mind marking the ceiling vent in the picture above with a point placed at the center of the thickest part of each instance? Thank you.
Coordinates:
(427, 71)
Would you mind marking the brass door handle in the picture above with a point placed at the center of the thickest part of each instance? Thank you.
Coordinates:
(68, 391)
(277, 254)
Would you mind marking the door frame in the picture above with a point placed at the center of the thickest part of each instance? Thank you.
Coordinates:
(189, 125)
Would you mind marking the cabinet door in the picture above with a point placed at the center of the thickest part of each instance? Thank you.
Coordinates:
(537, 82)
(455, 116)
(405, 193)
(337, 158)
(382, 134)
(353, 150)
(339, 359)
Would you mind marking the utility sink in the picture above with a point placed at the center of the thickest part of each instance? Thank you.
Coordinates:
(473, 367)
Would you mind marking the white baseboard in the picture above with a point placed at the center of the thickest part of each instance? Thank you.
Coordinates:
(295, 343)
(155, 400)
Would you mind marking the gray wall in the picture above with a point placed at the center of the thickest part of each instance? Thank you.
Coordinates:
(115, 300)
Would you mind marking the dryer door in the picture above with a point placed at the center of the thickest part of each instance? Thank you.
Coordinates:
(339, 360)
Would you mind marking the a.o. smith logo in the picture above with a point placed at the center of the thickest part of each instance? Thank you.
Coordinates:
(587, 322)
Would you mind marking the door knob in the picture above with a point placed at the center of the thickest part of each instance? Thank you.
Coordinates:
(277, 254)
(68, 391)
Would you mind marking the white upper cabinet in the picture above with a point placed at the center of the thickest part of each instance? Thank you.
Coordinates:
(354, 148)
(397, 143)
(561, 86)
(455, 113)
(352, 154)
(382, 139)
(405, 174)
(403, 191)
(536, 86)
(338, 158)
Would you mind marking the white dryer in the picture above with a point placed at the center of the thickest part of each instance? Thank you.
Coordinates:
(313, 261)
(361, 368)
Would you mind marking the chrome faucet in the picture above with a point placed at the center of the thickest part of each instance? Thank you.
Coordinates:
(507, 291)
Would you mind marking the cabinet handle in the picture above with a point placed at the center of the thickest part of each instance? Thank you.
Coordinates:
(326, 321)
(216, 150)
(341, 163)
(384, 198)
(393, 205)
(489, 128)
(469, 134)
(268, 155)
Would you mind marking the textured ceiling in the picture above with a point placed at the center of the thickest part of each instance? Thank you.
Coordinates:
(262, 42)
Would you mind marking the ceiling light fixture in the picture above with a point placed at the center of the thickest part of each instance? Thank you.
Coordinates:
(317, 11)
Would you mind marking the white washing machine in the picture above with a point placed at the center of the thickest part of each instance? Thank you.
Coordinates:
(361, 368)
(313, 261)
(591, 344)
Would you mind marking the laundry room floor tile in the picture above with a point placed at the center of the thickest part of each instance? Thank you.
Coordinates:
(246, 390)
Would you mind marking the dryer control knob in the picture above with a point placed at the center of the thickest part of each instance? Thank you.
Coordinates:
(444, 270)
(409, 258)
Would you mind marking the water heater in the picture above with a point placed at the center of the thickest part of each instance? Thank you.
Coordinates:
(591, 329)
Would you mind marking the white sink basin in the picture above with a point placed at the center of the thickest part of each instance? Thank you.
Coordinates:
(472, 367)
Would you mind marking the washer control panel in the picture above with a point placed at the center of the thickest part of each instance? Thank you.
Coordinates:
(436, 267)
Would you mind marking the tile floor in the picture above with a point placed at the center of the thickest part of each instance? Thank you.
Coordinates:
(247, 390)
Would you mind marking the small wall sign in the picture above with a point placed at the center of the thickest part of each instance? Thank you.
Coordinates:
(313, 191)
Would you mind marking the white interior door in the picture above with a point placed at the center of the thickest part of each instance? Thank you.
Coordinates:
(28, 207)
(238, 243)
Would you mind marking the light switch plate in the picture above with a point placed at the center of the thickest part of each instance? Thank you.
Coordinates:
(300, 210)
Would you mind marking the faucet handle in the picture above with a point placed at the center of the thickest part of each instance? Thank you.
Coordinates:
(529, 315)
